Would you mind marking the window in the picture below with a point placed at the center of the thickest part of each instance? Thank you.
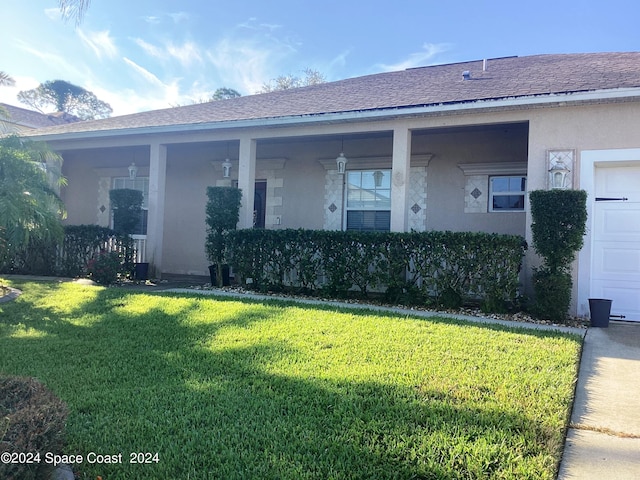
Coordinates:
(142, 184)
(506, 194)
(368, 205)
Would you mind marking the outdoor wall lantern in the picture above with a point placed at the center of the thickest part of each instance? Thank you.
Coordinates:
(341, 161)
(133, 171)
(558, 175)
(377, 178)
(226, 168)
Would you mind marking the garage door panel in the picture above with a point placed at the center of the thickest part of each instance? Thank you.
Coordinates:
(615, 266)
(615, 259)
(624, 295)
(617, 222)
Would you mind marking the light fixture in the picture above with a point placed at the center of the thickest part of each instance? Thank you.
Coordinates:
(226, 165)
(558, 175)
(226, 168)
(133, 171)
(341, 161)
(377, 178)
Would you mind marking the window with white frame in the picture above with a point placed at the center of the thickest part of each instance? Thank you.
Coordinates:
(142, 184)
(506, 193)
(368, 200)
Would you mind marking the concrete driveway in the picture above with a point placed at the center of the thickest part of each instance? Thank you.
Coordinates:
(603, 441)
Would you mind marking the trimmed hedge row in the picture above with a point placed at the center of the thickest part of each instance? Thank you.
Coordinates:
(448, 268)
(81, 245)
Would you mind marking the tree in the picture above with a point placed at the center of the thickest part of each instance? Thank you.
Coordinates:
(73, 9)
(30, 208)
(65, 97)
(6, 80)
(286, 82)
(224, 93)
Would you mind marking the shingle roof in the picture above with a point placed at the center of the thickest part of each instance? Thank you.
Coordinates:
(509, 77)
(33, 119)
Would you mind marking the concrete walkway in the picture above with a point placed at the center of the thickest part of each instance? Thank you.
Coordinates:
(603, 441)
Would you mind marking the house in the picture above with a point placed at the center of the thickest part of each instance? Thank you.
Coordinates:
(446, 147)
(20, 120)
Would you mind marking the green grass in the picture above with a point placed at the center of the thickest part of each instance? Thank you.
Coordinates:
(238, 390)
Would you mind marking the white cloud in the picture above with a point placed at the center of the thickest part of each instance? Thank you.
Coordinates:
(149, 49)
(242, 65)
(53, 13)
(417, 59)
(100, 42)
(143, 72)
(179, 17)
(54, 64)
(187, 53)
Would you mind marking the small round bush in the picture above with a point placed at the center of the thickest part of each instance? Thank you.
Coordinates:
(105, 267)
(32, 419)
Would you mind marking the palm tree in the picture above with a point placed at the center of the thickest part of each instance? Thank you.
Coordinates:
(6, 80)
(30, 208)
(73, 9)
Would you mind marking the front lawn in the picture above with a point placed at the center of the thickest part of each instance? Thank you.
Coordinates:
(239, 390)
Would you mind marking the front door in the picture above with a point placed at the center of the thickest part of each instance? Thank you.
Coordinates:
(260, 204)
(616, 239)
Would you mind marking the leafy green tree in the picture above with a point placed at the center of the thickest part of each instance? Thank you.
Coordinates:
(286, 82)
(224, 93)
(65, 97)
(30, 208)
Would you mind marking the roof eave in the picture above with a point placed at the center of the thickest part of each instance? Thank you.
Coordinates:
(564, 98)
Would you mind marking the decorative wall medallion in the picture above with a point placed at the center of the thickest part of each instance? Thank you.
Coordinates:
(416, 208)
(476, 193)
(333, 207)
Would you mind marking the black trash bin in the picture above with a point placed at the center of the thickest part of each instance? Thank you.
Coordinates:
(600, 309)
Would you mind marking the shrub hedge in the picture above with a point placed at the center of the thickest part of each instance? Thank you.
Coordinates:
(81, 245)
(447, 268)
(558, 226)
(32, 421)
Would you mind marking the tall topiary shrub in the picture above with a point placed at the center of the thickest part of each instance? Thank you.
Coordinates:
(126, 204)
(223, 213)
(559, 220)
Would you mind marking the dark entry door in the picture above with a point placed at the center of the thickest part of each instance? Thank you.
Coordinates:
(259, 204)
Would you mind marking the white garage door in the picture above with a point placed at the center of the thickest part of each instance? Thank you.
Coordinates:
(616, 239)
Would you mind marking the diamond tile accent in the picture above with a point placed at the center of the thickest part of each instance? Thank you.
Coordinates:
(102, 209)
(416, 208)
(333, 207)
(476, 193)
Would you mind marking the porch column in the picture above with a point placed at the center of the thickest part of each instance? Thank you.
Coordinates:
(400, 166)
(247, 180)
(155, 224)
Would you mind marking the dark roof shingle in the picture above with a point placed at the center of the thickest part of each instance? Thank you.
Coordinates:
(507, 77)
(33, 119)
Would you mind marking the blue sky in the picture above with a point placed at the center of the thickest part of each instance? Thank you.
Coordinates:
(145, 54)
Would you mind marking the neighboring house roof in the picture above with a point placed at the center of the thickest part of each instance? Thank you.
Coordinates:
(32, 119)
(438, 85)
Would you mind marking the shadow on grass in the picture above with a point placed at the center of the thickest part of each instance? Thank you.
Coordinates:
(154, 379)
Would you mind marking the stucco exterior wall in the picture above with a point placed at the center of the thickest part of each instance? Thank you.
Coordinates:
(593, 127)
(296, 178)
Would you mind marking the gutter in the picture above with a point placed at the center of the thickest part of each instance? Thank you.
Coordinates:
(559, 99)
